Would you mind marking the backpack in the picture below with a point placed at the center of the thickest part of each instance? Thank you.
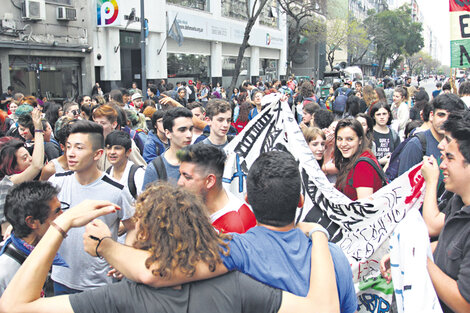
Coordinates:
(339, 105)
(394, 163)
(309, 100)
(160, 168)
(130, 179)
(376, 167)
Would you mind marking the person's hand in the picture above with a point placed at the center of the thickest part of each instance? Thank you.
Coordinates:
(284, 97)
(430, 169)
(36, 116)
(385, 269)
(383, 160)
(168, 100)
(305, 227)
(330, 135)
(97, 229)
(115, 273)
(85, 212)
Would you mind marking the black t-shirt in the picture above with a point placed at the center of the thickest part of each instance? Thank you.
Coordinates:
(452, 253)
(385, 143)
(232, 292)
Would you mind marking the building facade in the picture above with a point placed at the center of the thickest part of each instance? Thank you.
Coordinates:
(62, 58)
(45, 47)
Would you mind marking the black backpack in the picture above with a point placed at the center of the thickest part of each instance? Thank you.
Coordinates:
(394, 163)
(130, 179)
(160, 168)
(376, 167)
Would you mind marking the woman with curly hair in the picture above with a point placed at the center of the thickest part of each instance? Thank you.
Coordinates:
(233, 292)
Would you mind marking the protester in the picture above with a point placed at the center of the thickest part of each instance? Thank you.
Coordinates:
(178, 125)
(240, 293)
(30, 208)
(273, 252)
(315, 139)
(84, 148)
(385, 138)
(357, 178)
(201, 170)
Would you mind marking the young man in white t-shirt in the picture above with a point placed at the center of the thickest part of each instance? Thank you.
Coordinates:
(118, 148)
(84, 147)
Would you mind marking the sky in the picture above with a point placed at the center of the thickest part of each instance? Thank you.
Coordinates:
(436, 15)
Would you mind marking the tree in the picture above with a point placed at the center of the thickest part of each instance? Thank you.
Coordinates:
(301, 15)
(358, 42)
(394, 34)
(343, 34)
(252, 13)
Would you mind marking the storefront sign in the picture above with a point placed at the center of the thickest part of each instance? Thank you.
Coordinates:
(459, 33)
(107, 12)
(195, 26)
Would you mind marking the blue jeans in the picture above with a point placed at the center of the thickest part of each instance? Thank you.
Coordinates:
(60, 289)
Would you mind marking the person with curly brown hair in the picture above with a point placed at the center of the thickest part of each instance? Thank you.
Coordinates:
(172, 215)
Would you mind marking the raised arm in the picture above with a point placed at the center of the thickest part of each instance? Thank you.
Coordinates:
(130, 261)
(38, 152)
(433, 218)
(196, 121)
(323, 293)
(23, 292)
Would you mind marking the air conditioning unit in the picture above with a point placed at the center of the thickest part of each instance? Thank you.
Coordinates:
(66, 14)
(34, 10)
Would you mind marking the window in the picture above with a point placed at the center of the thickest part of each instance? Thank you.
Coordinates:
(228, 66)
(202, 5)
(270, 14)
(268, 69)
(235, 9)
(188, 65)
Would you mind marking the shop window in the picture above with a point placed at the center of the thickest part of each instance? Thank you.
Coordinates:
(268, 69)
(270, 14)
(188, 65)
(202, 5)
(235, 9)
(228, 66)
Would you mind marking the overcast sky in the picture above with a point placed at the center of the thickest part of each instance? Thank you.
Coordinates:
(436, 14)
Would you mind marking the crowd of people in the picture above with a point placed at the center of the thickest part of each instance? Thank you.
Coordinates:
(152, 169)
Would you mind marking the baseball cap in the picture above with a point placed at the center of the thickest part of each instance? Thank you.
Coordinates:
(136, 95)
(190, 82)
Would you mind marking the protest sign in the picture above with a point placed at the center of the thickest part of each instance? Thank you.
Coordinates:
(459, 33)
(361, 228)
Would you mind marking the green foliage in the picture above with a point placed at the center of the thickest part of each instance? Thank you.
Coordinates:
(394, 33)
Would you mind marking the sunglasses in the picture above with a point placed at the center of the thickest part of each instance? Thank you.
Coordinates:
(75, 112)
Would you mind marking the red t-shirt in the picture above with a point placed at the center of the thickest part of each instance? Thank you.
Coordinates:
(235, 217)
(364, 176)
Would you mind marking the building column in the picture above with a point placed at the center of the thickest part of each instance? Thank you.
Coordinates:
(110, 66)
(4, 60)
(156, 63)
(254, 65)
(216, 62)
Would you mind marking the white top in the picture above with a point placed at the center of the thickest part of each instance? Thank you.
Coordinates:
(138, 177)
(86, 271)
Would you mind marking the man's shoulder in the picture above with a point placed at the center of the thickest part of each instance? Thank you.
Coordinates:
(107, 181)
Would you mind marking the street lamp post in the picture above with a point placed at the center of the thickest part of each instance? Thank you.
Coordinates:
(142, 50)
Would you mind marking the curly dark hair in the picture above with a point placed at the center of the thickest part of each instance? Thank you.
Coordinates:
(174, 227)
